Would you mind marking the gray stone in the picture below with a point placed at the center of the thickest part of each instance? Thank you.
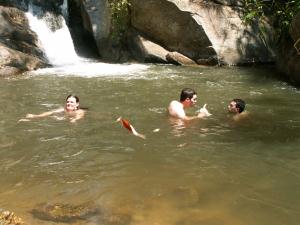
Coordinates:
(179, 59)
(19, 46)
(6, 71)
(145, 50)
(20, 4)
(203, 29)
(97, 20)
(170, 27)
(212, 61)
(10, 58)
(16, 34)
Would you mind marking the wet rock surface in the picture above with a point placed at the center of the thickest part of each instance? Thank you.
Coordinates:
(68, 213)
(9, 218)
(60, 212)
(19, 46)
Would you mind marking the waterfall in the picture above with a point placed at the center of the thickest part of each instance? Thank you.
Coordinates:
(57, 43)
(58, 46)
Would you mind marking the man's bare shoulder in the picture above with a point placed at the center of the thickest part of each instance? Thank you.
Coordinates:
(241, 116)
(175, 103)
(175, 109)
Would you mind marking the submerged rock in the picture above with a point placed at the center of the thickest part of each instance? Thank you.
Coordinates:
(68, 213)
(9, 218)
(65, 212)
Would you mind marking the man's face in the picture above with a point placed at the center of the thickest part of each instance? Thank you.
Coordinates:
(71, 104)
(232, 107)
(192, 101)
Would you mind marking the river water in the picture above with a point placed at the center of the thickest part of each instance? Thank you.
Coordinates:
(214, 171)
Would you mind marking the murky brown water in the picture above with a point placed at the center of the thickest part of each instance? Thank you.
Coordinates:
(209, 172)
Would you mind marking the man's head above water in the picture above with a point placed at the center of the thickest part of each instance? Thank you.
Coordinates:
(188, 97)
(187, 93)
(237, 105)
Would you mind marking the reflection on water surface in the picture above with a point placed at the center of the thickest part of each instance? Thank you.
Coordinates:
(213, 171)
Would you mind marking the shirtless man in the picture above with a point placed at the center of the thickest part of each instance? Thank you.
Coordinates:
(71, 109)
(188, 98)
(237, 107)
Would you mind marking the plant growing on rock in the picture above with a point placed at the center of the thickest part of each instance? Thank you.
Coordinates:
(282, 13)
(120, 18)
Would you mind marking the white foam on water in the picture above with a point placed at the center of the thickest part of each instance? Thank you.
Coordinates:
(93, 69)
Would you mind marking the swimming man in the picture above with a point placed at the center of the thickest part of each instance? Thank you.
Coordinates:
(237, 107)
(188, 98)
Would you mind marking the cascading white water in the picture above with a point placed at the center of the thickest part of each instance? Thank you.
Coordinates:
(59, 49)
(58, 45)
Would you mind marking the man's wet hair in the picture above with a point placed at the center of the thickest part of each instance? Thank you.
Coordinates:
(240, 104)
(187, 93)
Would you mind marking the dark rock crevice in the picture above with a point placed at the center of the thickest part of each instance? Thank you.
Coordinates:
(84, 42)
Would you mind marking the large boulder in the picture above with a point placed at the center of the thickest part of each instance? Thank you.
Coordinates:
(47, 5)
(203, 30)
(15, 32)
(19, 46)
(145, 50)
(179, 59)
(81, 30)
(172, 28)
(20, 4)
(96, 17)
(13, 62)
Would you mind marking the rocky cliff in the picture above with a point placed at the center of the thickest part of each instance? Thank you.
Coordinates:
(204, 31)
(184, 32)
(288, 60)
(19, 47)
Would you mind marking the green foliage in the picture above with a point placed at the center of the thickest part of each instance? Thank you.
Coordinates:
(281, 11)
(120, 16)
(254, 9)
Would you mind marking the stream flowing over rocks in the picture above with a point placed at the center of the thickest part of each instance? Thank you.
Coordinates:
(185, 32)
